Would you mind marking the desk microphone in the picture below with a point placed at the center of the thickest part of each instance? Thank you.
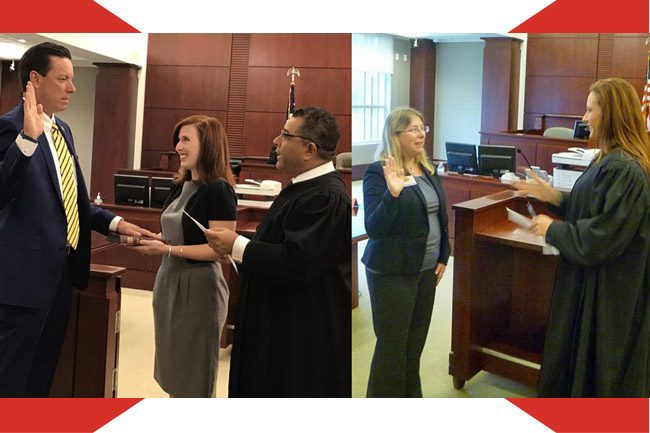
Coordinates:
(524, 156)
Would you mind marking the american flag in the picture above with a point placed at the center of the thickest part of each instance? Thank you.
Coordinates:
(291, 105)
(645, 101)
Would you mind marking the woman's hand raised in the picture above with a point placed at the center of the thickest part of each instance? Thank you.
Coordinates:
(394, 178)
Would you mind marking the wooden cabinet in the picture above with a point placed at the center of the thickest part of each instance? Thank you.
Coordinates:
(89, 356)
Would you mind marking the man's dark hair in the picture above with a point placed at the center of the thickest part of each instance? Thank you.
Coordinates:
(37, 58)
(320, 126)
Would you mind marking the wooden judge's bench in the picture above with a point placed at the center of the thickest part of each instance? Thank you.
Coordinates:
(501, 291)
(535, 146)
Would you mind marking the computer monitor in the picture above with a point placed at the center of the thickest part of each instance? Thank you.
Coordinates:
(580, 130)
(461, 157)
(131, 190)
(160, 187)
(496, 160)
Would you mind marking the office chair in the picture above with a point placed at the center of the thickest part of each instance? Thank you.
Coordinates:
(559, 132)
(344, 160)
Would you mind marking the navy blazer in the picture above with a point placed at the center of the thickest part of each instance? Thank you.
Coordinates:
(32, 219)
(398, 227)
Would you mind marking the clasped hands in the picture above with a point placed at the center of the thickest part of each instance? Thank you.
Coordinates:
(221, 241)
(542, 191)
(149, 247)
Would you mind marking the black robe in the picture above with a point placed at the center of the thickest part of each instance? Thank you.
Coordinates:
(293, 331)
(598, 338)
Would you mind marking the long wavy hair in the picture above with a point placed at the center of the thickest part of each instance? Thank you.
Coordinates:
(214, 159)
(621, 124)
(398, 120)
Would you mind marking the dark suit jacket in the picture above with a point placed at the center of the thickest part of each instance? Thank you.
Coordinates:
(398, 227)
(32, 219)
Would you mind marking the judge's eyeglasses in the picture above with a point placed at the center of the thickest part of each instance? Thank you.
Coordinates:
(286, 136)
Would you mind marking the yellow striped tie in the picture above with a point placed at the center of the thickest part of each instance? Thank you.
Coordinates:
(68, 186)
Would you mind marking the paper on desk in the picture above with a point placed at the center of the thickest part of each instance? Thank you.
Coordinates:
(202, 227)
(519, 219)
(526, 223)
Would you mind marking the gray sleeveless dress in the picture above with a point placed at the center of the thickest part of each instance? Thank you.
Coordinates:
(190, 303)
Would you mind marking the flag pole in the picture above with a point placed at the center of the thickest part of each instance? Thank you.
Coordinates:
(291, 105)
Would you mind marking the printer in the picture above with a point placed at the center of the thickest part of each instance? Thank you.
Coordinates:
(257, 194)
(570, 166)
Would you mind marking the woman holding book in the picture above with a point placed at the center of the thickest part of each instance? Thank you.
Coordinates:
(190, 295)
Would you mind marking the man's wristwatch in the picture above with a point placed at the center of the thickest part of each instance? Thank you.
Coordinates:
(27, 137)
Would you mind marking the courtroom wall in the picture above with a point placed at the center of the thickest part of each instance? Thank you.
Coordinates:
(560, 68)
(80, 115)
(459, 78)
(241, 79)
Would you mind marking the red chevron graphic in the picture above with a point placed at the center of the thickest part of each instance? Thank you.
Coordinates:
(588, 415)
(60, 414)
(72, 16)
(603, 16)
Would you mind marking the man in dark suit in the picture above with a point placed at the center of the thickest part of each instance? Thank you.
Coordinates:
(45, 223)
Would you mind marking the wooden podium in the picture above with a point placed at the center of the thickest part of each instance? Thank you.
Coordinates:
(501, 292)
(88, 362)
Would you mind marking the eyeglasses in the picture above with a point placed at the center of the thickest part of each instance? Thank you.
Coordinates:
(286, 136)
(416, 130)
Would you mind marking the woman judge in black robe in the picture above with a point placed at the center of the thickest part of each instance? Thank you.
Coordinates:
(598, 337)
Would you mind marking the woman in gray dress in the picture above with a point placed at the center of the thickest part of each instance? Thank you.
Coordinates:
(190, 295)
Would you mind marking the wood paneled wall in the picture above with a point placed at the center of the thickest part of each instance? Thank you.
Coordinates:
(116, 97)
(500, 97)
(560, 68)
(241, 80)
(422, 93)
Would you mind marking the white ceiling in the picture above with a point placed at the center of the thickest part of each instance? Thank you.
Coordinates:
(12, 49)
(456, 37)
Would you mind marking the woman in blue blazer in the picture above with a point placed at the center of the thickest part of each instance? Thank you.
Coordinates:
(406, 255)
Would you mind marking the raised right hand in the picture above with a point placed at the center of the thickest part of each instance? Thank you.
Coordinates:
(394, 179)
(33, 120)
(539, 189)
